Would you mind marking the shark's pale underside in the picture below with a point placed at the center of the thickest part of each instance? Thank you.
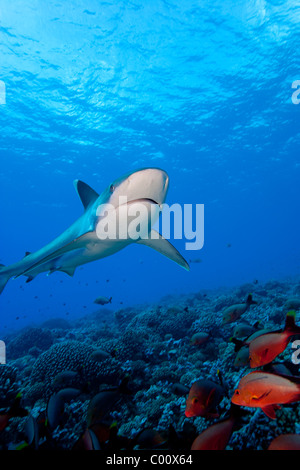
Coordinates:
(80, 243)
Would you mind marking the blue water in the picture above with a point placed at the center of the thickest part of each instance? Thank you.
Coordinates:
(201, 89)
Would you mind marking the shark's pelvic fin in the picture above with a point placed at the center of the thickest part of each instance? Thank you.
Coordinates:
(163, 246)
(70, 271)
(86, 193)
(81, 242)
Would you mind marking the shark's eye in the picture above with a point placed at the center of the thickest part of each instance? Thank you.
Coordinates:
(111, 188)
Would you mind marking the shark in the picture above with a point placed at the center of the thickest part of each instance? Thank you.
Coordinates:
(83, 242)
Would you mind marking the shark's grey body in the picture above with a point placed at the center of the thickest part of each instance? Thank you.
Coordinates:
(80, 243)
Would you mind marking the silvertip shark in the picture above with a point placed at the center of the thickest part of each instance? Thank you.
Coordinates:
(80, 243)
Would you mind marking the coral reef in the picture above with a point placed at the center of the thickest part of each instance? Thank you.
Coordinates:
(8, 385)
(29, 338)
(145, 355)
(73, 356)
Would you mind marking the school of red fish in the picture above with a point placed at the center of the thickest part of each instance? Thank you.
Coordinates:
(258, 389)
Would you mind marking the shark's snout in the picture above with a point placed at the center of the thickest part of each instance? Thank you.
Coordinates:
(148, 183)
(155, 184)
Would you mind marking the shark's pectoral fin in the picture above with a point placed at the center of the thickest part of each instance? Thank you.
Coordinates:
(86, 193)
(163, 246)
(88, 238)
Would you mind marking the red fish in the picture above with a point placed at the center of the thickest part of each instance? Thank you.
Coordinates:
(234, 312)
(203, 398)
(216, 437)
(4, 418)
(285, 442)
(96, 436)
(15, 410)
(264, 348)
(199, 338)
(267, 391)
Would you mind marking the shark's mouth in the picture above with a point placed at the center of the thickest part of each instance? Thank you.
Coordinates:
(146, 200)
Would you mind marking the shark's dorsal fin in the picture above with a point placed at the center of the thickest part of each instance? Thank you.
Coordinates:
(86, 193)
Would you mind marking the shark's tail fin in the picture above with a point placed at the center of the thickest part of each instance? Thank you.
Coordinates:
(4, 277)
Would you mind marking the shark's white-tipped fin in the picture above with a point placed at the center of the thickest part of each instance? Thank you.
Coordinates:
(87, 194)
(163, 246)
